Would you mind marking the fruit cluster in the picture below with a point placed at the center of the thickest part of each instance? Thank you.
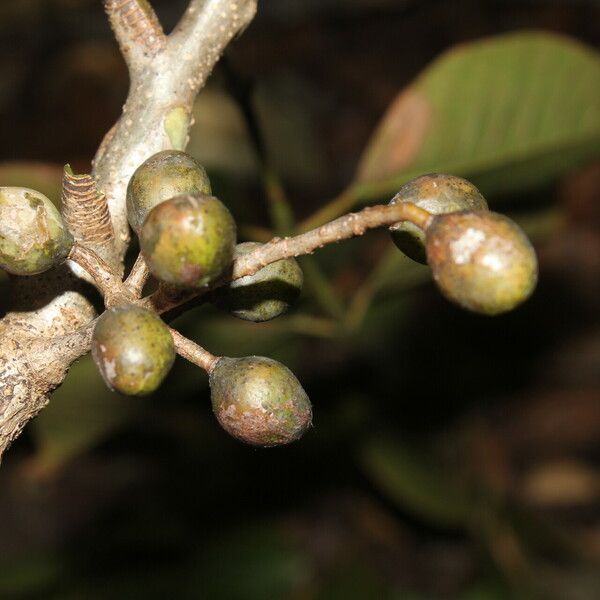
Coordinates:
(479, 259)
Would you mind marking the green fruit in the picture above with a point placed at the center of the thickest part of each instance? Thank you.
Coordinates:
(259, 401)
(133, 350)
(164, 175)
(481, 260)
(188, 240)
(438, 194)
(265, 295)
(33, 235)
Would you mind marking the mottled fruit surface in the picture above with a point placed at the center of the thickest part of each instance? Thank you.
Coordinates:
(265, 295)
(189, 240)
(259, 401)
(481, 260)
(133, 349)
(33, 235)
(164, 175)
(437, 193)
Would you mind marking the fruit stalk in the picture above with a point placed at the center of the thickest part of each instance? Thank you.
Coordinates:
(193, 352)
(138, 276)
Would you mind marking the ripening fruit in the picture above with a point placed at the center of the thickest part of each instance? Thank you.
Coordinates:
(438, 194)
(164, 175)
(33, 235)
(188, 240)
(481, 260)
(259, 401)
(133, 350)
(265, 295)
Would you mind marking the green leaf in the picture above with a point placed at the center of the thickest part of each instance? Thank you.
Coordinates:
(415, 483)
(509, 112)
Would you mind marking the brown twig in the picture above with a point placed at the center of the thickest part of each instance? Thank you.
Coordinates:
(348, 226)
(136, 28)
(109, 284)
(166, 75)
(193, 352)
(138, 276)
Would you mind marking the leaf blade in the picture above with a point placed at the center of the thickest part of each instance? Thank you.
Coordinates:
(509, 112)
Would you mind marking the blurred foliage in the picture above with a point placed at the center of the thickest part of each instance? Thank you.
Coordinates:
(509, 113)
(43, 177)
(419, 487)
(452, 456)
(79, 418)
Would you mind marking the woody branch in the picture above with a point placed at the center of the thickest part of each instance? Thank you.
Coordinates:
(40, 343)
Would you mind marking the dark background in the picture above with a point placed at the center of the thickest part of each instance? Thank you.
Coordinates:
(452, 456)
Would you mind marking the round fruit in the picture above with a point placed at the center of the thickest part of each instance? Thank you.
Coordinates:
(438, 194)
(188, 240)
(265, 295)
(133, 349)
(259, 401)
(481, 260)
(33, 235)
(164, 175)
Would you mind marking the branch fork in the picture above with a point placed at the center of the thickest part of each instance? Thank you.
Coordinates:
(39, 345)
(33, 360)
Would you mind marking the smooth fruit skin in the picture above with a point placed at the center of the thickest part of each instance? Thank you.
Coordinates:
(265, 295)
(259, 401)
(164, 175)
(133, 350)
(437, 193)
(188, 240)
(33, 235)
(481, 260)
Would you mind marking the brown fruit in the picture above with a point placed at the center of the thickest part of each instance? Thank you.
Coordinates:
(162, 176)
(481, 260)
(265, 295)
(133, 349)
(188, 240)
(437, 193)
(33, 235)
(259, 401)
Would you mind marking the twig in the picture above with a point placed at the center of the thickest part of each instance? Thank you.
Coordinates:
(203, 32)
(138, 276)
(101, 272)
(109, 284)
(348, 226)
(166, 75)
(158, 112)
(193, 352)
(137, 30)
(166, 298)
